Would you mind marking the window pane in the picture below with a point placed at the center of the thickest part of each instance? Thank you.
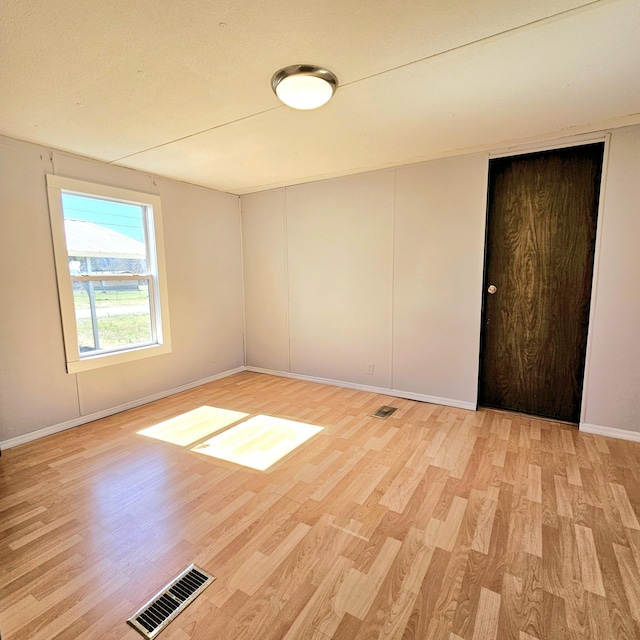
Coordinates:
(112, 314)
(104, 236)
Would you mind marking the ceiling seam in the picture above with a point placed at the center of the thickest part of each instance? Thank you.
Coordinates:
(191, 135)
(493, 36)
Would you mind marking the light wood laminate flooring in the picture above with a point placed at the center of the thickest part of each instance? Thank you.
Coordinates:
(435, 524)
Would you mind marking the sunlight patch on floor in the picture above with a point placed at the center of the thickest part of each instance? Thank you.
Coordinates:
(258, 442)
(194, 425)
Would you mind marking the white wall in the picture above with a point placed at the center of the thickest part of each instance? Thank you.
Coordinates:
(265, 280)
(415, 312)
(439, 256)
(612, 391)
(384, 268)
(35, 390)
(340, 249)
(204, 272)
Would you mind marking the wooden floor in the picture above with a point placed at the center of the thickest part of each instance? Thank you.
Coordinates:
(437, 523)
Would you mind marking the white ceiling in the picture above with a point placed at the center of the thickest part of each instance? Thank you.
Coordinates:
(182, 89)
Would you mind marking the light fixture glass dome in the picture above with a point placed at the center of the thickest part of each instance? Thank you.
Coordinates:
(304, 86)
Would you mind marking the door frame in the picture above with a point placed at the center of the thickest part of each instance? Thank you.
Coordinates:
(522, 149)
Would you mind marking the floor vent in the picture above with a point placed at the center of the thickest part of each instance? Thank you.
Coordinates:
(154, 616)
(384, 411)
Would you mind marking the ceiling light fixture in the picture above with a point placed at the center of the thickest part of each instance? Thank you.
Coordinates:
(304, 86)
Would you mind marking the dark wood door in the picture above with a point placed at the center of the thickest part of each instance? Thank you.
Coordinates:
(541, 229)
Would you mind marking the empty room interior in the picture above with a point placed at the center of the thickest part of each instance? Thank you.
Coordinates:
(320, 320)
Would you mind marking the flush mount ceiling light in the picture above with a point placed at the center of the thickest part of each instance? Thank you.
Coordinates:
(304, 86)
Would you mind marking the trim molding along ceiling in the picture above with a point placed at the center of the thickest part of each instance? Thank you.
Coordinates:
(611, 432)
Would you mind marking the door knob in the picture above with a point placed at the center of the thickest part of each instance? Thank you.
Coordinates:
(492, 289)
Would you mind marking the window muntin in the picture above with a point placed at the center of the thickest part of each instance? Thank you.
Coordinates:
(107, 244)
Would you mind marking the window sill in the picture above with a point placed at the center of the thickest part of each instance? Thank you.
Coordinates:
(120, 357)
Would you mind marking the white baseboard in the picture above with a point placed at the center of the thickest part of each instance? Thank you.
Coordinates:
(611, 432)
(69, 424)
(76, 422)
(397, 393)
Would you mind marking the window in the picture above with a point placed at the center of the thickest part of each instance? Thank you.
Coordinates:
(110, 268)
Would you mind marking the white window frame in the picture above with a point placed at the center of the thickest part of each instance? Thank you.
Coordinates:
(158, 297)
